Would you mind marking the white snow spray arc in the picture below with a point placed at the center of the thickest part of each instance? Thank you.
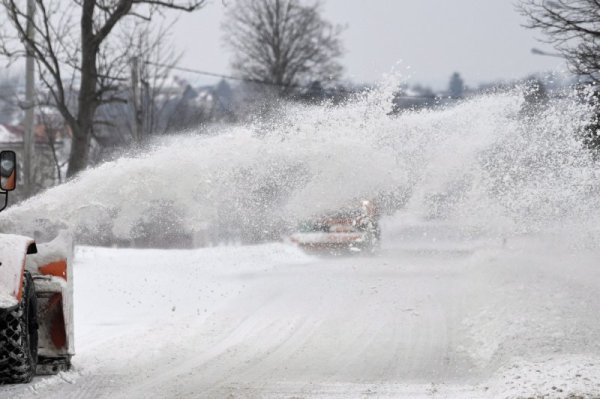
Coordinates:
(477, 162)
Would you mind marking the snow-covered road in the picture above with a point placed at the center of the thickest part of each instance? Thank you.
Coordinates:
(511, 319)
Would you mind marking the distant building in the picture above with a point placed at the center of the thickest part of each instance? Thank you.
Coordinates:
(456, 87)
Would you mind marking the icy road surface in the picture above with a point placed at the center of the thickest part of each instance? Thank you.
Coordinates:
(489, 319)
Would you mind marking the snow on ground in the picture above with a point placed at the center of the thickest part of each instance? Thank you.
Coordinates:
(505, 319)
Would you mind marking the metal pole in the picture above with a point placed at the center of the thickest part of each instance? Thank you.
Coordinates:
(546, 54)
(147, 125)
(137, 123)
(29, 139)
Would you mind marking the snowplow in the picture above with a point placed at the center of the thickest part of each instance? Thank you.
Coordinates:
(353, 229)
(36, 300)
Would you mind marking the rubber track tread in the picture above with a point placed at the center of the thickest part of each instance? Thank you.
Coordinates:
(17, 363)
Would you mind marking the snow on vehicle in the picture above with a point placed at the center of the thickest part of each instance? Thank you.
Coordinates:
(36, 304)
(352, 228)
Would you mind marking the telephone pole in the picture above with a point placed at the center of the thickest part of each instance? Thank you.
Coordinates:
(29, 138)
(137, 100)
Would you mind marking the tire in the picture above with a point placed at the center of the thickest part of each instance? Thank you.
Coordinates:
(19, 338)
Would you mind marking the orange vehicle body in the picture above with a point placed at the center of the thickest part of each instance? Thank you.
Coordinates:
(49, 265)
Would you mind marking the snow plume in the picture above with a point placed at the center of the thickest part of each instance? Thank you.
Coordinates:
(483, 162)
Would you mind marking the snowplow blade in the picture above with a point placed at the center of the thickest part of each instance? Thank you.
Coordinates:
(332, 243)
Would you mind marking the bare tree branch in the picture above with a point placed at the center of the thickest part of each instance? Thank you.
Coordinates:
(573, 27)
(283, 42)
(77, 56)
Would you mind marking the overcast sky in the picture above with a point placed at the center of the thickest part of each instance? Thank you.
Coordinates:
(481, 39)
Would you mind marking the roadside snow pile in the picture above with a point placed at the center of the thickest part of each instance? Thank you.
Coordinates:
(576, 377)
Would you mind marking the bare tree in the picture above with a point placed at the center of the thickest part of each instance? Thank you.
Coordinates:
(282, 42)
(153, 50)
(72, 44)
(572, 26)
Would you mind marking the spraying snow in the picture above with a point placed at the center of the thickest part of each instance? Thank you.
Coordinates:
(479, 162)
(446, 309)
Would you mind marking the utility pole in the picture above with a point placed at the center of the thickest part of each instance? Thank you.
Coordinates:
(147, 116)
(136, 97)
(29, 139)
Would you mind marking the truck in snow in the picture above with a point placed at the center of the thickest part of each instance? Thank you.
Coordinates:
(351, 228)
(36, 299)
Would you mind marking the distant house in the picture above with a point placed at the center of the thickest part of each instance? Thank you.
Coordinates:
(8, 137)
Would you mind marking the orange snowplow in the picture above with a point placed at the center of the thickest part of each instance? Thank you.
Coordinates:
(36, 301)
(353, 229)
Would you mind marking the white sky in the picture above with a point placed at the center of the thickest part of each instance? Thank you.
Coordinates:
(481, 39)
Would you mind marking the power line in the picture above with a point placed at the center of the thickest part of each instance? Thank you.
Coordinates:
(213, 74)
(230, 77)
(264, 82)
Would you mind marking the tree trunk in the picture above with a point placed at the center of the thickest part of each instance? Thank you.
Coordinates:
(79, 153)
(87, 100)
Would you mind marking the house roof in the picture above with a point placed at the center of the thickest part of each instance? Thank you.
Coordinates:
(8, 136)
(14, 134)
